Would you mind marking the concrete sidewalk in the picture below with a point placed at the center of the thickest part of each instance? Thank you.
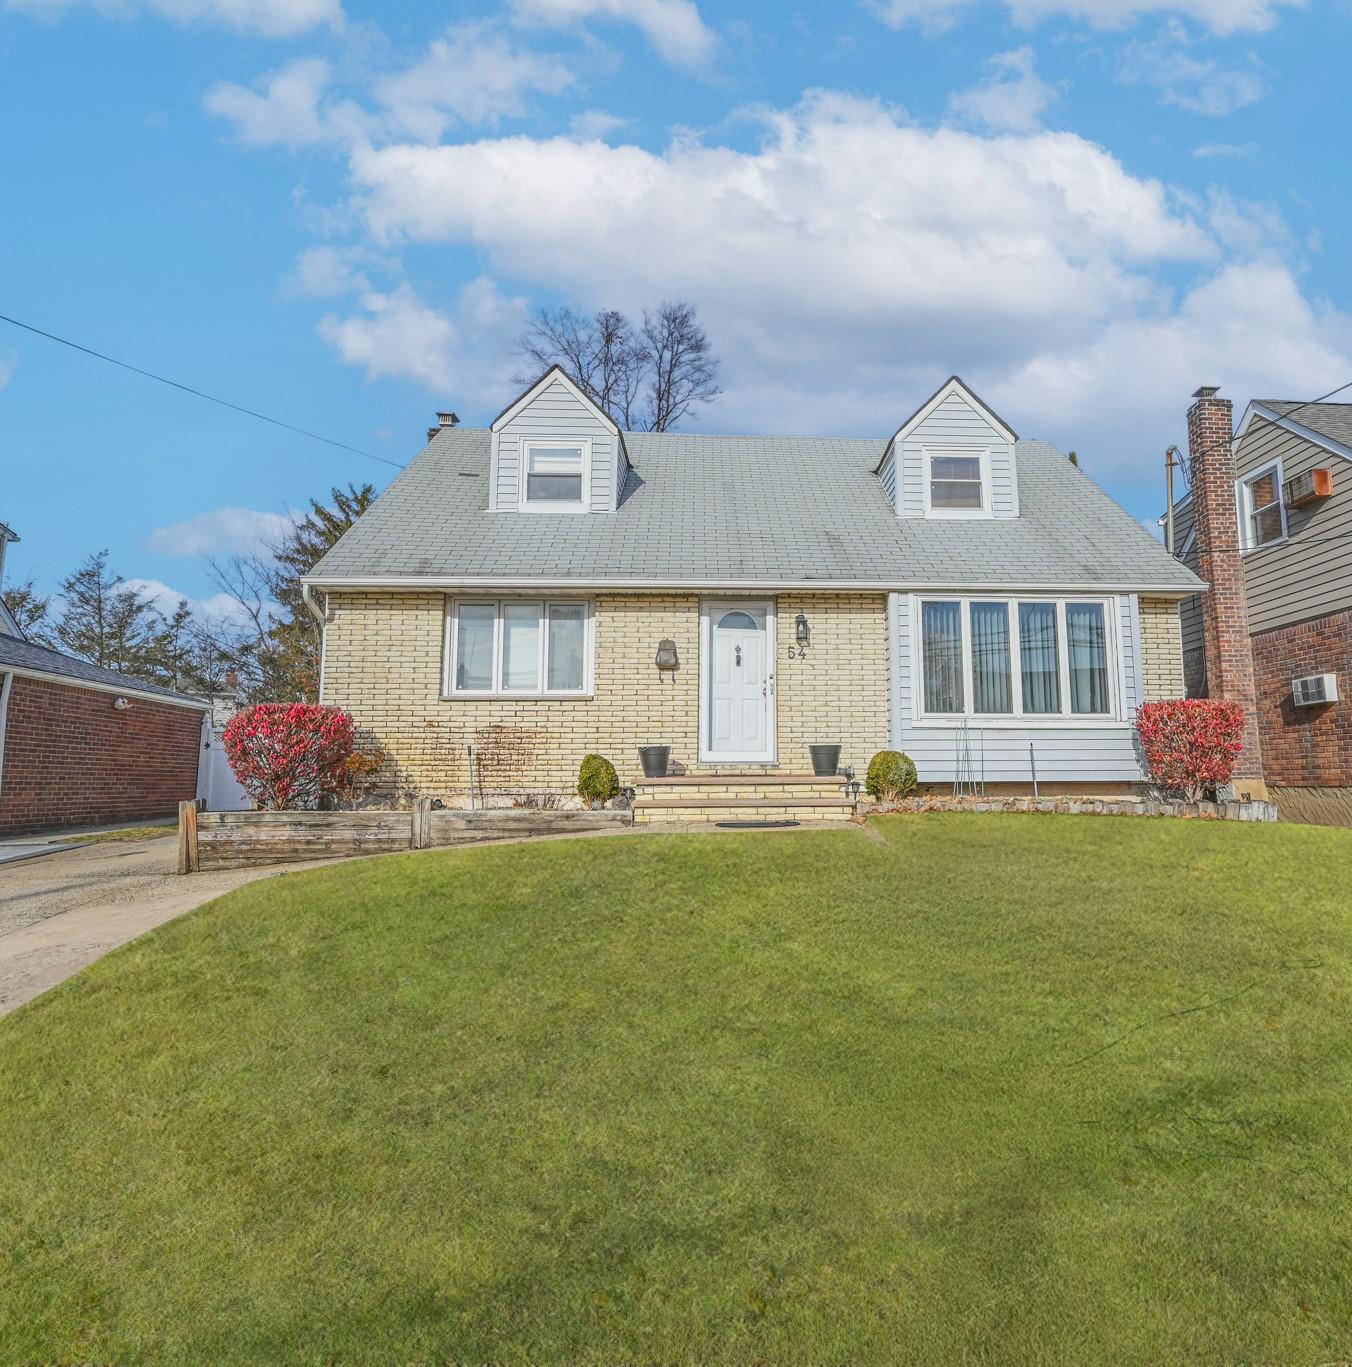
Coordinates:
(60, 912)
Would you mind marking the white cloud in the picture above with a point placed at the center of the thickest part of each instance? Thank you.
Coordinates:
(673, 27)
(852, 260)
(1013, 96)
(221, 531)
(216, 607)
(1220, 16)
(473, 75)
(7, 367)
(1247, 328)
(1200, 85)
(271, 18)
(1240, 151)
(282, 107)
(398, 334)
(596, 125)
(323, 272)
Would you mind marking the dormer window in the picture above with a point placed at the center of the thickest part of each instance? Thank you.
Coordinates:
(556, 475)
(956, 484)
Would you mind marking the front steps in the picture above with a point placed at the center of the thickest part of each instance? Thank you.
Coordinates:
(705, 799)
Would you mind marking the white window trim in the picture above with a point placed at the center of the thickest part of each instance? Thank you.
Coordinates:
(707, 609)
(1244, 507)
(451, 635)
(528, 444)
(1018, 720)
(983, 454)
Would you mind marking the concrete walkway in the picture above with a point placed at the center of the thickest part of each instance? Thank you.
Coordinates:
(61, 912)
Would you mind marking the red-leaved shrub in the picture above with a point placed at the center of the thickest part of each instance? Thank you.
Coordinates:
(287, 756)
(1191, 744)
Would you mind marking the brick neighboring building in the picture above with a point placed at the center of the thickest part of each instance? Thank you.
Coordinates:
(1268, 524)
(84, 746)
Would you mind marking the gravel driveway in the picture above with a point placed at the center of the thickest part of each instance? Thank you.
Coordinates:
(60, 912)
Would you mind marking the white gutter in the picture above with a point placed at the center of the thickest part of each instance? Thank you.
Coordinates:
(4, 717)
(14, 671)
(1062, 586)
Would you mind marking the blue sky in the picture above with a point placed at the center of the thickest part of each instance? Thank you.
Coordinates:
(1085, 207)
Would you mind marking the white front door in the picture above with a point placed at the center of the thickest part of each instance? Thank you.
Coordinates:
(740, 682)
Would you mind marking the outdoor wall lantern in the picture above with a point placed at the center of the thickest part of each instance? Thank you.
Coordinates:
(666, 655)
(802, 632)
(121, 704)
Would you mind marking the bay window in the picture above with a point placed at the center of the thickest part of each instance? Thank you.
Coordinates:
(514, 646)
(1016, 658)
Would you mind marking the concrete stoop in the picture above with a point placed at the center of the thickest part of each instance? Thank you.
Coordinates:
(705, 799)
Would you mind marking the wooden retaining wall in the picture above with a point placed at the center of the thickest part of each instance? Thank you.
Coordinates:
(226, 840)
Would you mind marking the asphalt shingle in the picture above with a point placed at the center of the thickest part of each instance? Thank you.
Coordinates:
(17, 654)
(786, 510)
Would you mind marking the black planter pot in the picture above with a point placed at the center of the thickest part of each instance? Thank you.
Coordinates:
(825, 760)
(654, 759)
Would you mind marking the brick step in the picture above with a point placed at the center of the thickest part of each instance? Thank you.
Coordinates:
(759, 792)
(731, 780)
(709, 809)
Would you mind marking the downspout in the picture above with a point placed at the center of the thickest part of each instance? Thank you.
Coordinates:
(4, 717)
(323, 617)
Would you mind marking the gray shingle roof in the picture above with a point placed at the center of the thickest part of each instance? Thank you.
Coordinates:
(17, 654)
(783, 510)
(1331, 419)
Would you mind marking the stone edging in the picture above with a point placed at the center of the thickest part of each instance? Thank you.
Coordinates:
(1084, 806)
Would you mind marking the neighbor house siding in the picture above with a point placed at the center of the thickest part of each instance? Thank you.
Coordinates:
(555, 414)
(384, 663)
(73, 759)
(957, 423)
(1310, 574)
(1065, 753)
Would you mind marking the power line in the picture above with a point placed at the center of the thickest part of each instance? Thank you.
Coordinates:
(1193, 457)
(197, 393)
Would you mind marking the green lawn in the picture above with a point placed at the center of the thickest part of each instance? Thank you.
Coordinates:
(1005, 1089)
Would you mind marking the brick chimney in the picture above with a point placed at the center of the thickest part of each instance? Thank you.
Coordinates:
(1225, 606)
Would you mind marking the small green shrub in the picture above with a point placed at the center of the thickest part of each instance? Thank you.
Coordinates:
(597, 780)
(891, 775)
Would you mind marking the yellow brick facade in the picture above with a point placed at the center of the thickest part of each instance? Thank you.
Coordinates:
(1161, 649)
(383, 662)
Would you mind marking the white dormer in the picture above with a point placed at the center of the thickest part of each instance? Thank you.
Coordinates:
(555, 451)
(952, 458)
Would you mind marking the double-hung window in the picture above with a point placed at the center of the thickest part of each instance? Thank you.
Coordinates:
(1020, 657)
(956, 483)
(554, 475)
(513, 646)
(1261, 509)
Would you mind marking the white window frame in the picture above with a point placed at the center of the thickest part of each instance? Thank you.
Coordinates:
(529, 444)
(451, 637)
(930, 454)
(1245, 509)
(1112, 620)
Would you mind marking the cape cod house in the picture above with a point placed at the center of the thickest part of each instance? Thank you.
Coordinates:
(550, 586)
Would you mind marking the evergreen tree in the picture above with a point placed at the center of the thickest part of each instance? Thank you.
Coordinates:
(30, 611)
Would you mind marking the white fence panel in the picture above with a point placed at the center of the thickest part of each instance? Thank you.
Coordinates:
(216, 782)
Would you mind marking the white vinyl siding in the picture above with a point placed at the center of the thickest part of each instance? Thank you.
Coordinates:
(556, 416)
(1067, 748)
(955, 426)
